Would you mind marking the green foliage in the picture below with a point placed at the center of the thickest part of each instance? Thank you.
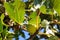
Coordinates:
(43, 9)
(9, 10)
(0, 38)
(1, 25)
(35, 38)
(2, 31)
(10, 35)
(57, 6)
(53, 4)
(37, 2)
(2, 17)
(22, 34)
(53, 38)
(31, 29)
(16, 11)
(33, 17)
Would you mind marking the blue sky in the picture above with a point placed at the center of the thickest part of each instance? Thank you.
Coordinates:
(25, 0)
(26, 35)
(21, 38)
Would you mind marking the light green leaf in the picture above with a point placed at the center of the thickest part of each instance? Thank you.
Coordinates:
(43, 9)
(19, 11)
(0, 38)
(9, 10)
(2, 18)
(1, 26)
(53, 38)
(57, 6)
(33, 18)
(16, 11)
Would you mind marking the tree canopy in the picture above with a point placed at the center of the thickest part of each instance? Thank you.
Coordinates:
(31, 16)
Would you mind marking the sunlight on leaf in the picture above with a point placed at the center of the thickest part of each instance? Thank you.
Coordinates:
(33, 18)
(43, 9)
(57, 6)
(16, 11)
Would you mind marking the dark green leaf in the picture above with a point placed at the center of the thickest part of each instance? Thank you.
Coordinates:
(37, 1)
(22, 33)
(1, 26)
(53, 38)
(56, 5)
(35, 38)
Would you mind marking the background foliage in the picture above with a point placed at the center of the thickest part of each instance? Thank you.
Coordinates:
(20, 15)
